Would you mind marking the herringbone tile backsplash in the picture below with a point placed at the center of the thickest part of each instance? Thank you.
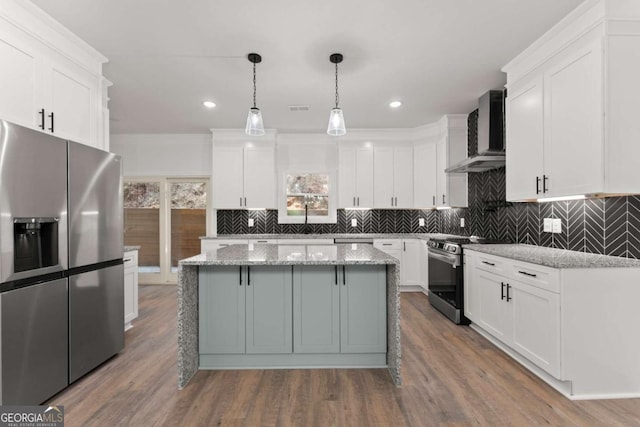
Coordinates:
(608, 226)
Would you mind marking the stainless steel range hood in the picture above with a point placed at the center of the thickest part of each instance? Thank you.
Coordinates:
(490, 136)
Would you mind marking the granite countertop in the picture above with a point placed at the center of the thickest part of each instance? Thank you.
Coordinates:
(128, 248)
(421, 236)
(271, 254)
(555, 258)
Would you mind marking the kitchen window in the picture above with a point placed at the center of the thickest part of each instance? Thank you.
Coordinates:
(307, 196)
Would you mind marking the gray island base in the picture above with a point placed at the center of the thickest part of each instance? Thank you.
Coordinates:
(359, 279)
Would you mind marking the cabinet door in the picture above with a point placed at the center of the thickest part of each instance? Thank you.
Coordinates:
(403, 177)
(574, 121)
(269, 305)
(316, 309)
(347, 177)
(525, 133)
(18, 83)
(363, 313)
(411, 263)
(383, 177)
(536, 325)
(424, 176)
(221, 300)
(259, 177)
(470, 290)
(74, 105)
(493, 311)
(364, 177)
(441, 176)
(227, 178)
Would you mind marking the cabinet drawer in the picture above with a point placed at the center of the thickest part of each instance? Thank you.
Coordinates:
(491, 264)
(263, 241)
(130, 259)
(536, 275)
(388, 244)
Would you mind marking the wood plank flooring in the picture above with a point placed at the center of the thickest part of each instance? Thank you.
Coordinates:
(452, 377)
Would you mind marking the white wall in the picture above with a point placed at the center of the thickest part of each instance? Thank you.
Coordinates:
(172, 155)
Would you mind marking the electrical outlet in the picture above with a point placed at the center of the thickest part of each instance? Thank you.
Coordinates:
(250, 222)
(547, 225)
(421, 222)
(462, 222)
(354, 222)
(556, 225)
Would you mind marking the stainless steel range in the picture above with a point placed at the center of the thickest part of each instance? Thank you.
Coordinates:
(446, 276)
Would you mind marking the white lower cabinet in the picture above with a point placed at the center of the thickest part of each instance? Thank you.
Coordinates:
(215, 244)
(574, 327)
(130, 288)
(410, 255)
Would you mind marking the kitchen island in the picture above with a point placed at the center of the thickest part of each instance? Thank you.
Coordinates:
(288, 306)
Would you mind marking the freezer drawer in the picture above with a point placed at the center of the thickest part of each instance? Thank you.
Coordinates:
(34, 343)
(96, 310)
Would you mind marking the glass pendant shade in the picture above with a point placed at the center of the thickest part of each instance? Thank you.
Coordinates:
(336, 123)
(254, 127)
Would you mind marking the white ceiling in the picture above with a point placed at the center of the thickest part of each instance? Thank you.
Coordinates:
(167, 56)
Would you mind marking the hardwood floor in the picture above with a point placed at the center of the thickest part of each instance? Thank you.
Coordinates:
(452, 377)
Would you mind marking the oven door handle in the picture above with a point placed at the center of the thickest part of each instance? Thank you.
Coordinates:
(452, 260)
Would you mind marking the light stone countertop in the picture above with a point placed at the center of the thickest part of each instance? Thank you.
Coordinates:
(283, 254)
(421, 236)
(131, 248)
(555, 258)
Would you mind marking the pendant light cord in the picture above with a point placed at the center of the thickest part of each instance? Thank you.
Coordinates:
(337, 96)
(254, 85)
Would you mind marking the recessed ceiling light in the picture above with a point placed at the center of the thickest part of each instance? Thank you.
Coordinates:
(395, 104)
(209, 104)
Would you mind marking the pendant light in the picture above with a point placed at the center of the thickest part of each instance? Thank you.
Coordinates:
(336, 118)
(254, 127)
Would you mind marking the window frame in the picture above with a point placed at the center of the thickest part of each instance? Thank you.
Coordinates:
(331, 218)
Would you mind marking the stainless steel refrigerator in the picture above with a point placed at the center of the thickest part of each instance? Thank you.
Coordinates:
(96, 244)
(61, 273)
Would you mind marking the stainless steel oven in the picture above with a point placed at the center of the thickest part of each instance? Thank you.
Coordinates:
(446, 279)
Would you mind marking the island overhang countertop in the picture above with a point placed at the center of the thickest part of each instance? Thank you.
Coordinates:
(274, 254)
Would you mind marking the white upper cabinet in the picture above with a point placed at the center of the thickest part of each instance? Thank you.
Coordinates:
(571, 118)
(355, 177)
(259, 177)
(243, 177)
(424, 176)
(393, 177)
(50, 80)
(525, 130)
(451, 148)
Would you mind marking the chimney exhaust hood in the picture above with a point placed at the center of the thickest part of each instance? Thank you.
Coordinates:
(491, 153)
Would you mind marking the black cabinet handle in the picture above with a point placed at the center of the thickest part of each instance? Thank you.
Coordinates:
(528, 274)
(443, 202)
(248, 276)
(344, 276)
(508, 297)
(396, 201)
(241, 201)
(537, 185)
(392, 201)
(545, 178)
(489, 263)
(128, 259)
(358, 200)
(245, 202)
(501, 291)
(51, 116)
(41, 125)
(336, 275)
(434, 200)
(405, 246)
(354, 200)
